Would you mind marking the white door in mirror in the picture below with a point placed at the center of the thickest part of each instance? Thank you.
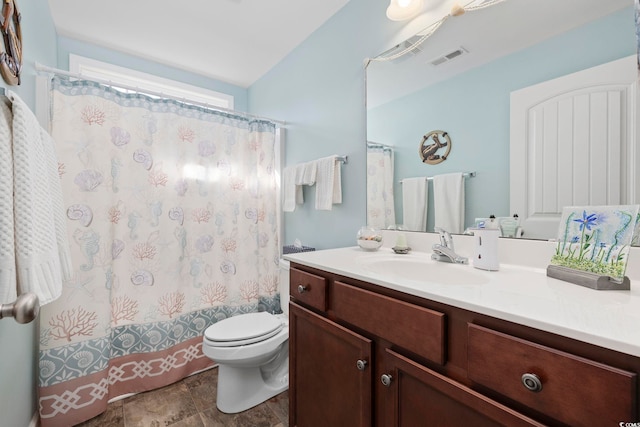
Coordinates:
(571, 140)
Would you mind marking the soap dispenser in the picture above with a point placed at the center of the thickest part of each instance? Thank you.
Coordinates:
(486, 248)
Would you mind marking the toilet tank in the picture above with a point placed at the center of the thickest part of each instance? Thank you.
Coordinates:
(284, 285)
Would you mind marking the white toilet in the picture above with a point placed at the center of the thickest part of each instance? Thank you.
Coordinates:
(252, 352)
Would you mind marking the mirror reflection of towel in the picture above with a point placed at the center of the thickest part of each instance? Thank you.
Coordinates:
(448, 202)
(414, 203)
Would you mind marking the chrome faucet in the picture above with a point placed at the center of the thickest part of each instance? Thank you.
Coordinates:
(444, 251)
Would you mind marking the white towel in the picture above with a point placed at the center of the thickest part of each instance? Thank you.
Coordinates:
(306, 173)
(328, 183)
(448, 201)
(35, 253)
(414, 203)
(289, 189)
(8, 291)
(293, 178)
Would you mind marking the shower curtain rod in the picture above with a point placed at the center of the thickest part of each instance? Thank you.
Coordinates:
(45, 69)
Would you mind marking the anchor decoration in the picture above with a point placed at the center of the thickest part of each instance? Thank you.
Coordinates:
(433, 143)
(11, 51)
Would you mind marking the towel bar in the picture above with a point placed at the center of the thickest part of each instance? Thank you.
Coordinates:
(464, 175)
(24, 309)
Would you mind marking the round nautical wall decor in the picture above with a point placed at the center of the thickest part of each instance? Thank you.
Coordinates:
(11, 51)
(435, 147)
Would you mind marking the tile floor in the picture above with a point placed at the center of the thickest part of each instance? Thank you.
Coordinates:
(189, 403)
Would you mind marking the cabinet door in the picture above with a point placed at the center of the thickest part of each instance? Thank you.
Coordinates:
(417, 396)
(330, 373)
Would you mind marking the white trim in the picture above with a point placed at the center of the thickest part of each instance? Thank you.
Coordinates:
(104, 71)
(280, 163)
(35, 420)
(42, 101)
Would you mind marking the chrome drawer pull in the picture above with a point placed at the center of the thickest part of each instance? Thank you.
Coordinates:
(302, 289)
(361, 364)
(386, 380)
(532, 382)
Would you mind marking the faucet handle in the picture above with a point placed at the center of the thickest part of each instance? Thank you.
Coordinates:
(445, 238)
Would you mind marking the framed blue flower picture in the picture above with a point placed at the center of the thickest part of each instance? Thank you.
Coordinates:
(596, 239)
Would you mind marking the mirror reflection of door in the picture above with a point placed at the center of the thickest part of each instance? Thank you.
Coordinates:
(573, 145)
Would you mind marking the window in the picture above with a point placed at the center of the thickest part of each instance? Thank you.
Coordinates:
(119, 75)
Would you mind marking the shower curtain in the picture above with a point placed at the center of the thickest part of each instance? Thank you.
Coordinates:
(380, 201)
(172, 220)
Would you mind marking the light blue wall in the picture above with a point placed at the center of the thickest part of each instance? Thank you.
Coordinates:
(68, 45)
(18, 343)
(319, 90)
(474, 108)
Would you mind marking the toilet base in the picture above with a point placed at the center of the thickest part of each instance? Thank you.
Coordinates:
(240, 389)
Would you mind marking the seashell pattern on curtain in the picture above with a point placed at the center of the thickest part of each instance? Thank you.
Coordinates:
(172, 221)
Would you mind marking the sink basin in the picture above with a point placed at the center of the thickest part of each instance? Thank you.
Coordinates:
(423, 269)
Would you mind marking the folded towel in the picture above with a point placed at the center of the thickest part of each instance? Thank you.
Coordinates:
(289, 189)
(448, 200)
(328, 183)
(306, 173)
(33, 234)
(414, 203)
(293, 178)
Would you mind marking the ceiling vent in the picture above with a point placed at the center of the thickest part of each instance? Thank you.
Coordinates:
(449, 56)
(410, 43)
(408, 47)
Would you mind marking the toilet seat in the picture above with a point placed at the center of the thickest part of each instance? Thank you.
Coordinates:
(243, 329)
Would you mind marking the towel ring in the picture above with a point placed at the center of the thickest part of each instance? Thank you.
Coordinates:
(429, 151)
(11, 56)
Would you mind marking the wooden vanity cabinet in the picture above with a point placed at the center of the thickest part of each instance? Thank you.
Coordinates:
(330, 368)
(365, 355)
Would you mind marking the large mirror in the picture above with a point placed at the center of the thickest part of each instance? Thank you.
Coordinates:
(460, 81)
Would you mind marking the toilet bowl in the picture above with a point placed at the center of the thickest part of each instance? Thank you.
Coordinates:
(252, 352)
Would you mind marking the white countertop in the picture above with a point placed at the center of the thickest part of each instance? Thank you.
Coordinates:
(518, 294)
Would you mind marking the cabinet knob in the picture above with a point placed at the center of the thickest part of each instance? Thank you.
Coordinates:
(302, 289)
(532, 382)
(361, 364)
(386, 380)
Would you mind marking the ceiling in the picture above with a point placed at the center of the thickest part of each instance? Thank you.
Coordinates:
(234, 41)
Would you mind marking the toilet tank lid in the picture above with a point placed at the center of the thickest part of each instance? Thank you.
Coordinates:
(243, 326)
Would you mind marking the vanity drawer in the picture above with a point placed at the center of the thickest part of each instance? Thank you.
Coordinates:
(409, 326)
(308, 288)
(574, 390)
